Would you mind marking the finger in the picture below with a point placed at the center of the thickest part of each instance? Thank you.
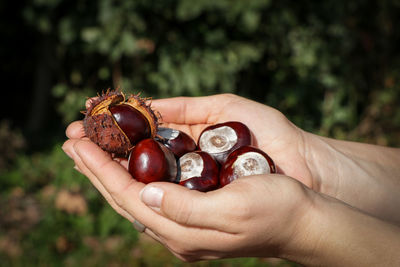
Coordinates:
(192, 208)
(190, 243)
(120, 185)
(75, 130)
(190, 110)
(122, 161)
(153, 235)
(125, 191)
(110, 173)
(158, 227)
(68, 148)
(90, 101)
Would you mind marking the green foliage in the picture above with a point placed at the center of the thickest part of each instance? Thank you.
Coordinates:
(72, 101)
(319, 63)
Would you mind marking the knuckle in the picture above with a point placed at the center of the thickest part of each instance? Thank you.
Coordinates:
(241, 210)
(121, 194)
(119, 201)
(228, 95)
(242, 214)
(184, 210)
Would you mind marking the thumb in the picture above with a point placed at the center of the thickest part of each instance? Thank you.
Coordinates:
(187, 207)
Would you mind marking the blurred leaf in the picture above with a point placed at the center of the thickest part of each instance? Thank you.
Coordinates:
(90, 34)
(108, 220)
(73, 101)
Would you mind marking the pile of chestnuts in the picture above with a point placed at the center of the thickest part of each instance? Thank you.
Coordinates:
(128, 127)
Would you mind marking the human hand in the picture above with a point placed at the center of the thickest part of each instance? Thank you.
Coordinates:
(123, 192)
(267, 215)
(255, 216)
(344, 170)
(272, 131)
(90, 160)
(364, 176)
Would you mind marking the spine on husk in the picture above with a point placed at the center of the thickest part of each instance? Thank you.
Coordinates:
(101, 127)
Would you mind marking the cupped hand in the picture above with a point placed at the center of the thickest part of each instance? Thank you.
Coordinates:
(243, 218)
(267, 215)
(272, 131)
(254, 216)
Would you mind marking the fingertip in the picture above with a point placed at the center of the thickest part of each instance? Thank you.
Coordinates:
(68, 148)
(85, 147)
(75, 130)
(89, 101)
(76, 145)
(166, 197)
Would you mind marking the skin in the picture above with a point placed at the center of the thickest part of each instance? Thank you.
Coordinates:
(332, 203)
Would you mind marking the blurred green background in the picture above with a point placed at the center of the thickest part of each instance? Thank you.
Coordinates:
(331, 66)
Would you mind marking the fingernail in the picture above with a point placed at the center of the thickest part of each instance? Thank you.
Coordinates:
(152, 196)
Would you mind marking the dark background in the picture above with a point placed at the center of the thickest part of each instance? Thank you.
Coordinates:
(332, 67)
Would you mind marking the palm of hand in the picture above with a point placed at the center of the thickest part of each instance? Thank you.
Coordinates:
(271, 130)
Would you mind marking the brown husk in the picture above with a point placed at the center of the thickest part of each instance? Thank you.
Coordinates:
(101, 128)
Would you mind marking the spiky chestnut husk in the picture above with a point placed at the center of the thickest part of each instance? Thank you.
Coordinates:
(101, 126)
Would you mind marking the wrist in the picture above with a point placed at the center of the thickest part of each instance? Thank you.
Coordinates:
(326, 164)
(316, 153)
(362, 175)
(333, 233)
(301, 244)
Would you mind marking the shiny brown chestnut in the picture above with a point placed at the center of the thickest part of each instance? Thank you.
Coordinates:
(150, 161)
(198, 171)
(245, 161)
(177, 141)
(221, 139)
(132, 122)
